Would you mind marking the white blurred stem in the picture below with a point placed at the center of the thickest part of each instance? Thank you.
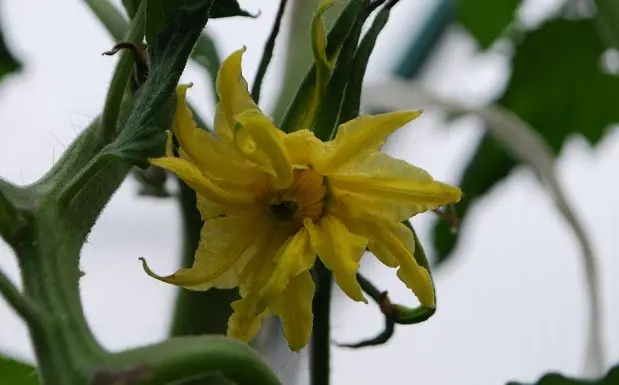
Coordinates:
(525, 144)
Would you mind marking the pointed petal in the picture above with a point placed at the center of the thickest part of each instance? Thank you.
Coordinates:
(243, 324)
(391, 188)
(359, 136)
(294, 308)
(400, 246)
(261, 142)
(340, 251)
(233, 94)
(185, 128)
(226, 245)
(294, 257)
(191, 175)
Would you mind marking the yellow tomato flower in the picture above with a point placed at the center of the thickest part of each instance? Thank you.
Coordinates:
(273, 202)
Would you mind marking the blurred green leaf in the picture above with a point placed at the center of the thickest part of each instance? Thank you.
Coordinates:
(485, 19)
(228, 8)
(611, 378)
(8, 62)
(17, 373)
(558, 88)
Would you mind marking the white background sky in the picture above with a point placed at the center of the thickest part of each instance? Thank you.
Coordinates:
(511, 304)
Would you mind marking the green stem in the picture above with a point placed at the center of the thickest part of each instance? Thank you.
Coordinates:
(121, 77)
(22, 305)
(84, 176)
(321, 340)
(267, 54)
(63, 343)
(184, 358)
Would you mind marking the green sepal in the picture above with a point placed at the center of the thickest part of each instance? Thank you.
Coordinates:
(297, 109)
(327, 117)
(352, 96)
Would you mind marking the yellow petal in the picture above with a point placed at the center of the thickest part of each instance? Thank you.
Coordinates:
(294, 308)
(233, 94)
(294, 257)
(185, 128)
(401, 247)
(208, 209)
(261, 142)
(215, 158)
(381, 252)
(340, 251)
(225, 247)
(391, 188)
(301, 145)
(360, 136)
(260, 268)
(191, 175)
(243, 324)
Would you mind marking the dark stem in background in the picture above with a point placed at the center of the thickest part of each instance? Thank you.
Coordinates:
(320, 349)
(267, 54)
(198, 312)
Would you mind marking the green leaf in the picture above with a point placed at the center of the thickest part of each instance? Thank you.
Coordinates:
(159, 12)
(559, 92)
(17, 373)
(154, 102)
(485, 20)
(8, 62)
(611, 378)
(228, 8)
(553, 89)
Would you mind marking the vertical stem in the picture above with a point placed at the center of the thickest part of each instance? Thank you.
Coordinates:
(64, 344)
(321, 339)
(122, 74)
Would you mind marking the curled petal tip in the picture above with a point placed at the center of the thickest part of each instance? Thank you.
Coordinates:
(148, 271)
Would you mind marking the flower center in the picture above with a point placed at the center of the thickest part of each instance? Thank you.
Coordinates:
(303, 199)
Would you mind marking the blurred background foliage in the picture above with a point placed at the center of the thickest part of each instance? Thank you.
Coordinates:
(561, 85)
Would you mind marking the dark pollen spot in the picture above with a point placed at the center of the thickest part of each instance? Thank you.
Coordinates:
(284, 211)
